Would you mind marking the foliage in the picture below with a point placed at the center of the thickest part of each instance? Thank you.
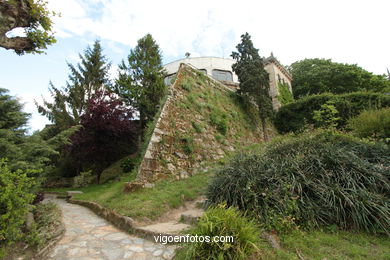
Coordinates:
(285, 96)
(34, 17)
(15, 197)
(70, 102)
(319, 179)
(108, 132)
(23, 152)
(221, 221)
(141, 80)
(316, 76)
(295, 116)
(83, 179)
(254, 80)
(128, 164)
(48, 219)
(326, 116)
(373, 124)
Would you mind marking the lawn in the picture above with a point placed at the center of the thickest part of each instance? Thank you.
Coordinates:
(330, 245)
(149, 203)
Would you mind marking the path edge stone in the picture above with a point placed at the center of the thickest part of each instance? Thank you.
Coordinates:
(123, 223)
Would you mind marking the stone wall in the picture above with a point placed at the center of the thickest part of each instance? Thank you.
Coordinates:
(166, 154)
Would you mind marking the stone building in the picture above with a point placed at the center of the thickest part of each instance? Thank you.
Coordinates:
(221, 70)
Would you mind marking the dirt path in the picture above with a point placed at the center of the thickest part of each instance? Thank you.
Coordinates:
(90, 237)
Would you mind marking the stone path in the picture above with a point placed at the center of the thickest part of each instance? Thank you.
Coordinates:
(90, 237)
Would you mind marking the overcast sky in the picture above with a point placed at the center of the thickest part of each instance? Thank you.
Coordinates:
(346, 31)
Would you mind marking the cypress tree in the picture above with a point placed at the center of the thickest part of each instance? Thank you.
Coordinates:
(254, 80)
(141, 79)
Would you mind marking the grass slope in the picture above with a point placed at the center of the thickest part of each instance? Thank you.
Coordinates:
(330, 245)
(147, 204)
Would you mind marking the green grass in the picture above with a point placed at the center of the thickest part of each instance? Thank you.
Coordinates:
(147, 203)
(330, 245)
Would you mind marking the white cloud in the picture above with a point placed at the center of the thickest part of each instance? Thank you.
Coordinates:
(347, 31)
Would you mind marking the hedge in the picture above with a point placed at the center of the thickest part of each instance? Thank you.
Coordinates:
(293, 117)
(320, 178)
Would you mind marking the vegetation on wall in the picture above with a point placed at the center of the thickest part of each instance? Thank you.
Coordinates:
(296, 116)
(202, 122)
(317, 76)
(285, 96)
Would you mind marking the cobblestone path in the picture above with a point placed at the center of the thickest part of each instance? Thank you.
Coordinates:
(89, 237)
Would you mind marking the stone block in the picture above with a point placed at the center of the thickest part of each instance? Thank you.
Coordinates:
(133, 186)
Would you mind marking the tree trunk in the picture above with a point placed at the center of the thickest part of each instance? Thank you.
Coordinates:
(264, 126)
(13, 15)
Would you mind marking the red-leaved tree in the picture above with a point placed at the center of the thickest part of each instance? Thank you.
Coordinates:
(108, 133)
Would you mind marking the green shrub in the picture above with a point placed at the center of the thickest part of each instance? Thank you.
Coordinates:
(295, 116)
(15, 196)
(48, 220)
(84, 179)
(219, 221)
(128, 164)
(326, 116)
(373, 124)
(316, 179)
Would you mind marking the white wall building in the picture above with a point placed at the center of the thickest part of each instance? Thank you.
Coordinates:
(221, 69)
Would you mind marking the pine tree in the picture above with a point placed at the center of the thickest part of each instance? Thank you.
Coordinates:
(141, 80)
(254, 80)
(85, 78)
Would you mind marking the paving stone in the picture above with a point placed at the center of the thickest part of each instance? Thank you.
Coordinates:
(90, 237)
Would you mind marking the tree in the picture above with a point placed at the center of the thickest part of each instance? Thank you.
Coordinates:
(141, 81)
(317, 76)
(33, 16)
(254, 80)
(88, 76)
(23, 152)
(108, 132)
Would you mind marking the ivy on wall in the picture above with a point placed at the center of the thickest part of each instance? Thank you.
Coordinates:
(285, 96)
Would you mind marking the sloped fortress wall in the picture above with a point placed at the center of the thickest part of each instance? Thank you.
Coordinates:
(201, 121)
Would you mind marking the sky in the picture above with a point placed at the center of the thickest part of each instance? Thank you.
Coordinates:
(347, 31)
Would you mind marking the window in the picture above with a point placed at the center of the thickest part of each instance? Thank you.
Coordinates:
(203, 70)
(222, 75)
(168, 80)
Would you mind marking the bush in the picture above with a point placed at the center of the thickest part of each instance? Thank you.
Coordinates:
(373, 124)
(15, 196)
(219, 221)
(294, 116)
(316, 179)
(128, 164)
(83, 180)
